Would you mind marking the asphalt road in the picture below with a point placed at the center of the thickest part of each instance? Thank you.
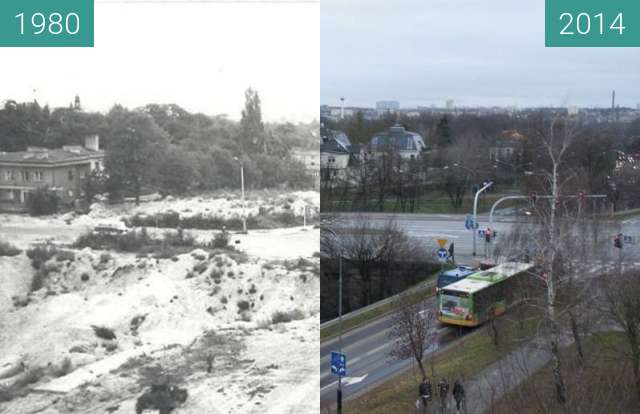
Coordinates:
(428, 228)
(368, 361)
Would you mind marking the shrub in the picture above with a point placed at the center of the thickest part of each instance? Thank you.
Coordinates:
(221, 240)
(201, 267)
(103, 332)
(42, 202)
(162, 397)
(105, 258)
(41, 253)
(7, 249)
(243, 305)
(64, 255)
(286, 317)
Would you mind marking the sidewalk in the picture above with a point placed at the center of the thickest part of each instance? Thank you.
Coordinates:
(499, 378)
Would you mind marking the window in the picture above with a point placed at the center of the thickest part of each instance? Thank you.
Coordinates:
(37, 175)
(8, 175)
(332, 159)
(70, 175)
(24, 175)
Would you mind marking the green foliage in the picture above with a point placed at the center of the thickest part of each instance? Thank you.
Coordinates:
(221, 240)
(252, 135)
(93, 184)
(41, 253)
(42, 202)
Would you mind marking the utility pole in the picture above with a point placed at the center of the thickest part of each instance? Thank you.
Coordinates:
(339, 396)
(244, 215)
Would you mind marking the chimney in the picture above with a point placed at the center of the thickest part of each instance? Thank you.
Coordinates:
(92, 142)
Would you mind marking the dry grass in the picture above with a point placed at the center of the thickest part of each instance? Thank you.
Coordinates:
(605, 385)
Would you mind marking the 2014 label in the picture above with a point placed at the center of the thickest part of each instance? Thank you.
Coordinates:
(582, 24)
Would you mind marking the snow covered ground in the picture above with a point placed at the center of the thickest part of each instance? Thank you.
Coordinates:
(171, 317)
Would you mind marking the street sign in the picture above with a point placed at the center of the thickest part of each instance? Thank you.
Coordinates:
(442, 243)
(468, 223)
(443, 254)
(627, 239)
(338, 363)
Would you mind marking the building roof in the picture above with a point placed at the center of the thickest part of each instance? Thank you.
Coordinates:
(50, 156)
(486, 278)
(333, 146)
(398, 138)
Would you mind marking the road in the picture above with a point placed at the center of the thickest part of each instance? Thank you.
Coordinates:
(368, 362)
(428, 228)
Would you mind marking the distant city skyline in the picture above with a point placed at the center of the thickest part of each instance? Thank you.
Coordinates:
(492, 54)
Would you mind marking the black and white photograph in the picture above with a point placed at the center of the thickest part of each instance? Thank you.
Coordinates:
(159, 213)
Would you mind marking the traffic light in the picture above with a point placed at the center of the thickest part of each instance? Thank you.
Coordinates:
(617, 241)
(533, 196)
(487, 235)
(581, 195)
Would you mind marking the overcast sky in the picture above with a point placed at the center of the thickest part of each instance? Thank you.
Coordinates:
(476, 52)
(201, 56)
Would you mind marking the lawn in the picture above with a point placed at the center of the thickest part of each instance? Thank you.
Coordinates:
(604, 385)
(465, 358)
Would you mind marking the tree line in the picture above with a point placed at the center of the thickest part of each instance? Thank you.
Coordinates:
(165, 148)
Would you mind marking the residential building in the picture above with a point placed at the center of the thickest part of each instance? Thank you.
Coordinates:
(61, 170)
(506, 146)
(311, 161)
(397, 140)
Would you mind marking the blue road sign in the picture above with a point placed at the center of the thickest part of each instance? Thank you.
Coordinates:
(468, 222)
(338, 363)
(443, 254)
(627, 239)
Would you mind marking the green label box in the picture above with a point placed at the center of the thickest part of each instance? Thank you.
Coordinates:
(46, 23)
(592, 23)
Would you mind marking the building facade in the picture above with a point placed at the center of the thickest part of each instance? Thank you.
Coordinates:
(397, 140)
(62, 170)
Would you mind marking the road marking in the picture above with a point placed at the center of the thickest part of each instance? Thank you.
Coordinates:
(353, 380)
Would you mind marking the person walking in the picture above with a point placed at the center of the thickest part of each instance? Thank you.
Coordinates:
(458, 395)
(443, 392)
(425, 393)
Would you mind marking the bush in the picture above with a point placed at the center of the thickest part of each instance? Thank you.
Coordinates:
(103, 333)
(221, 240)
(105, 258)
(41, 253)
(64, 255)
(162, 397)
(286, 317)
(243, 305)
(42, 202)
(7, 249)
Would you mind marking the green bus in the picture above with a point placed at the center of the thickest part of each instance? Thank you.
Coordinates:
(475, 299)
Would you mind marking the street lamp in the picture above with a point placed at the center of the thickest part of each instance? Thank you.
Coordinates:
(244, 216)
(475, 212)
(339, 392)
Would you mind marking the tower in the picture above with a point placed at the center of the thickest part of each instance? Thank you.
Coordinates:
(342, 107)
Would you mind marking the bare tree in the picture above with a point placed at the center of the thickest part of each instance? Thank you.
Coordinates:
(412, 331)
(621, 304)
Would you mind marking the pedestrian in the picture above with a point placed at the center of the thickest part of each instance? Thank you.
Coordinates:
(443, 391)
(423, 393)
(458, 394)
